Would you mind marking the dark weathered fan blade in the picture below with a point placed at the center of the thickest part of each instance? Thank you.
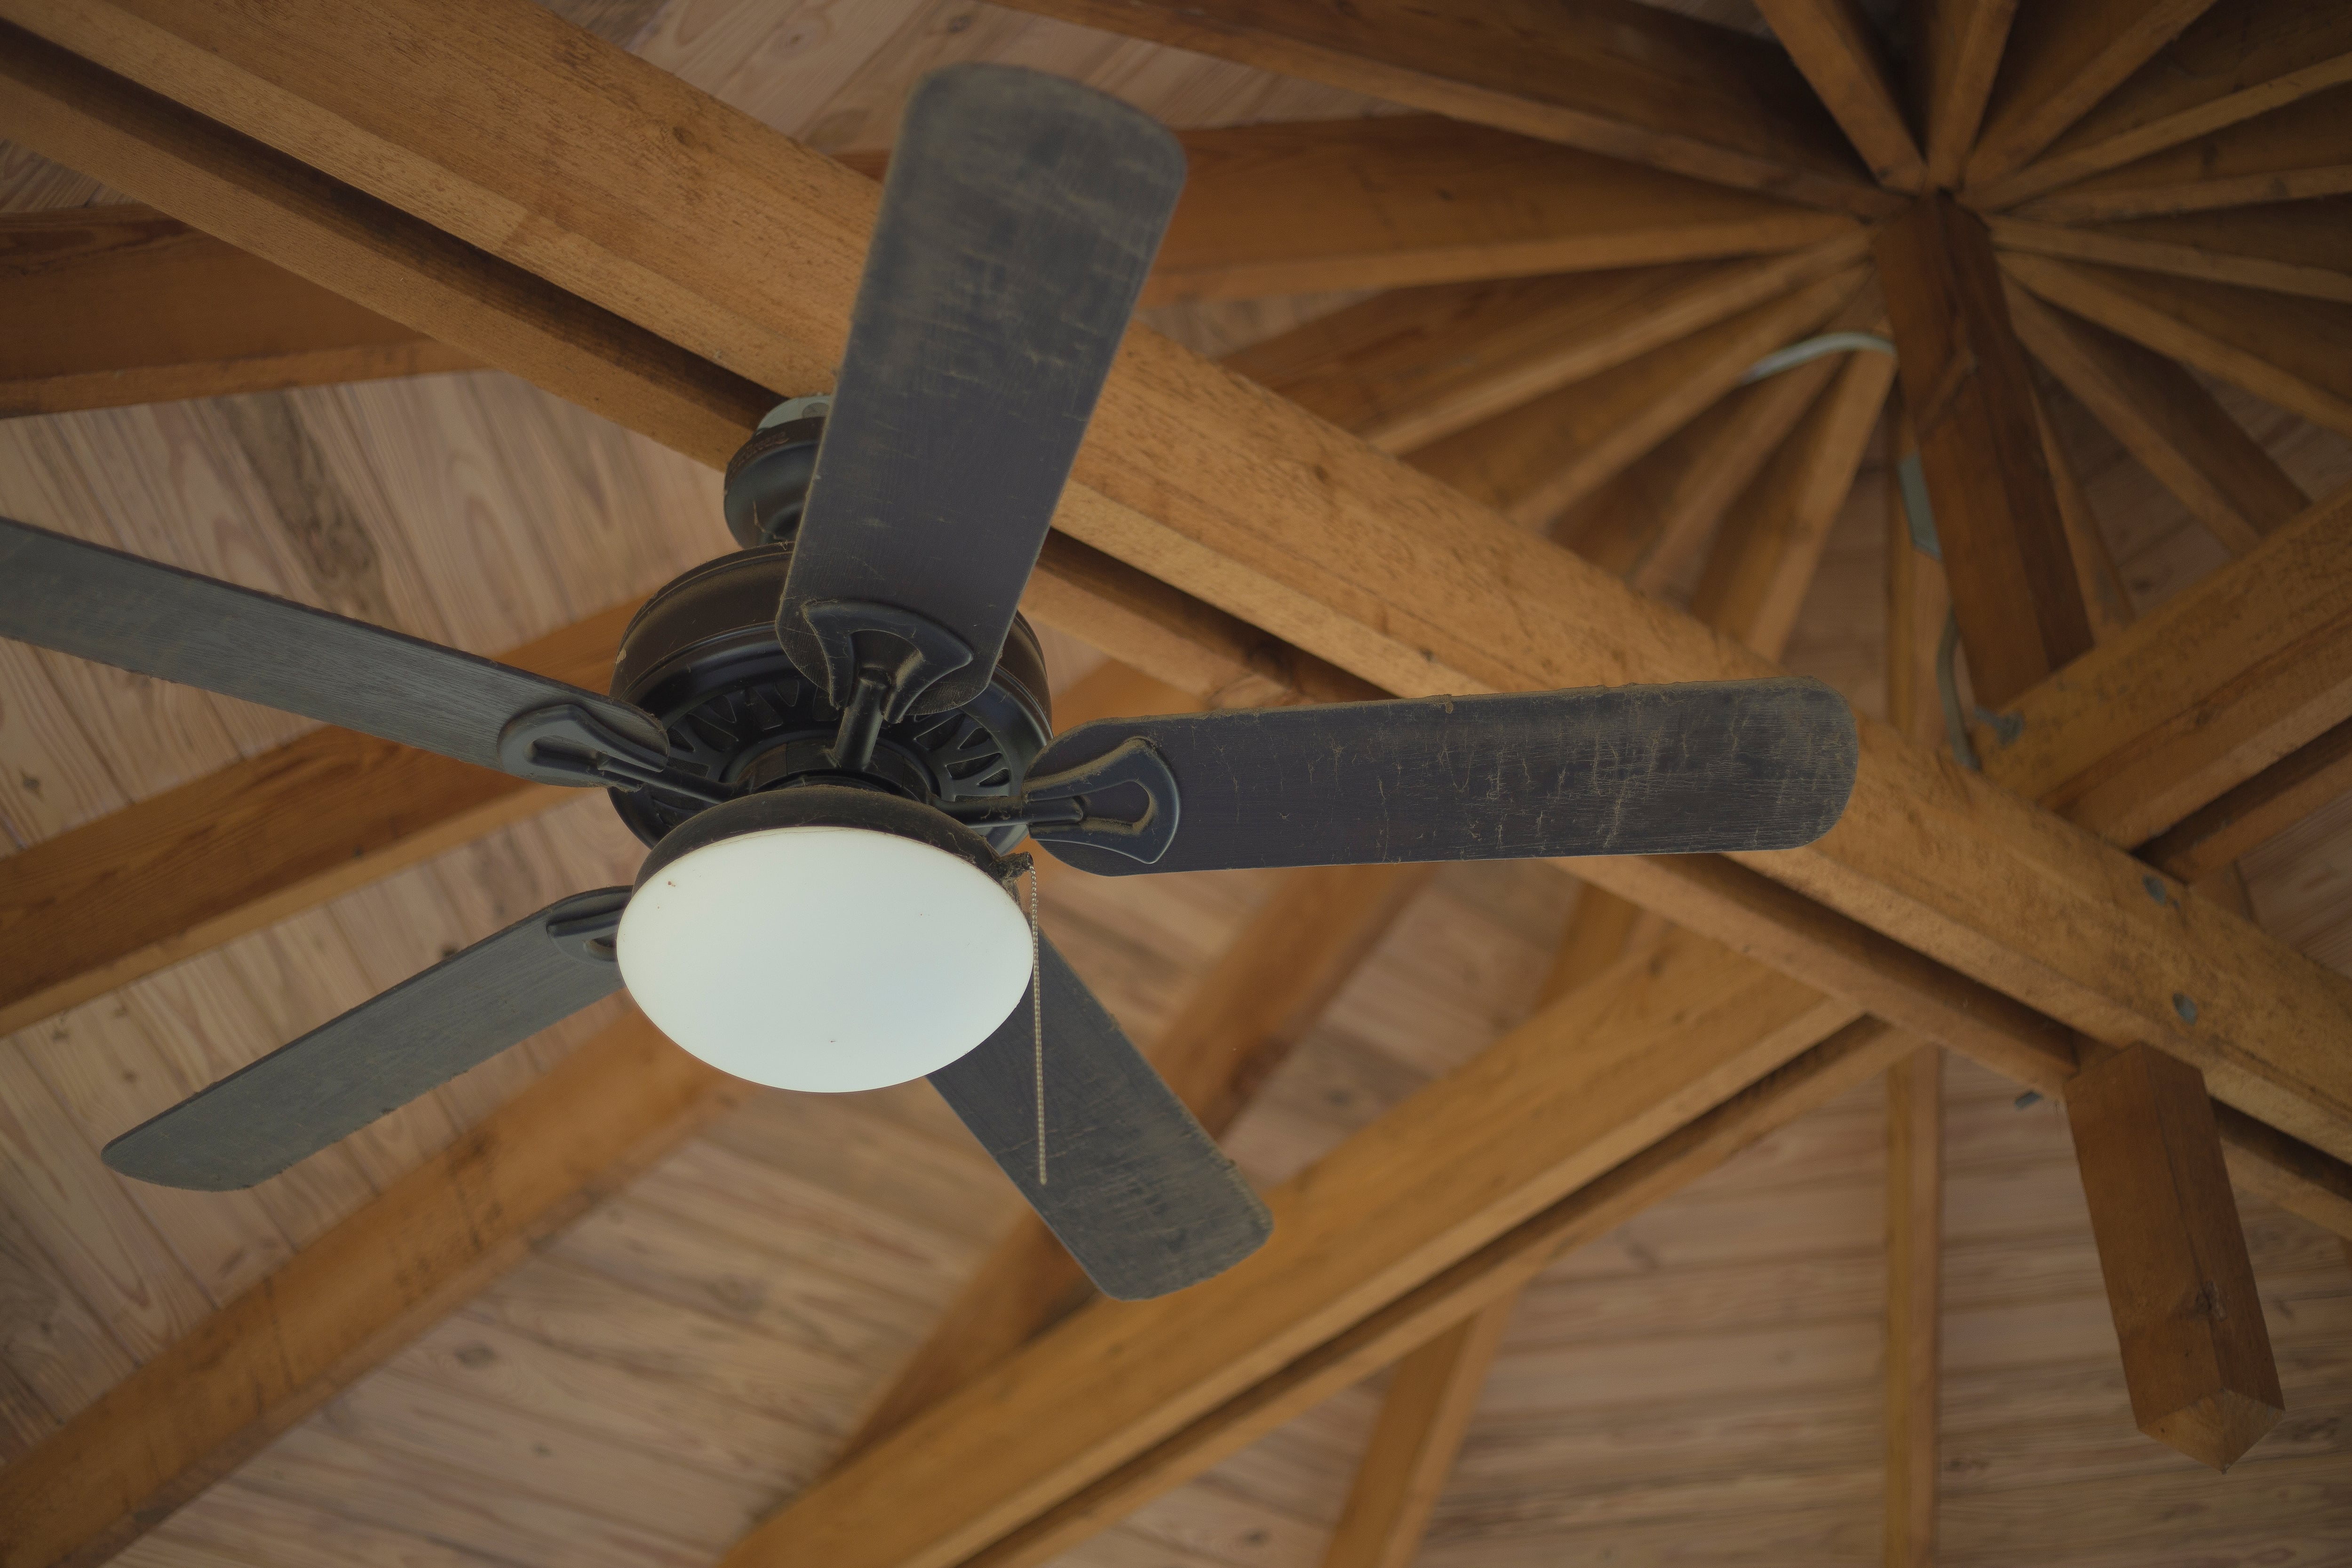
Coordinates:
(384, 1053)
(139, 614)
(1019, 215)
(1629, 770)
(1141, 1195)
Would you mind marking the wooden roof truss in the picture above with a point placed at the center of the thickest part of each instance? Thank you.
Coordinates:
(1602, 215)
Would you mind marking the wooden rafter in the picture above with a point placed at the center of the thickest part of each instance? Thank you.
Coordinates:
(1914, 1234)
(2291, 154)
(2285, 247)
(1955, 55)
(1837, 47)
(2060, 60)
(109, 306)
(1610, 76)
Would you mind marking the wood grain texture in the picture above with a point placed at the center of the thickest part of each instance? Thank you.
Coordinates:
(1955, 56)
(2241, 58)
(1836, 45)
(2060, 60)
(2289, 351)
(2290, 153)
(1971, 393)
(1432, 1394)
(109, 306)
(1915, 1255)
(2166, 418)
(1615, 79)
(2242, 819)
(1404, 369)
(2290, 247)
(337, 1307)
(1400, 200)
(2196, 1355)
(1534, 462)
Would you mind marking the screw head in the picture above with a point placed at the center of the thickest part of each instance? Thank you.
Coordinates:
(2185, 1006)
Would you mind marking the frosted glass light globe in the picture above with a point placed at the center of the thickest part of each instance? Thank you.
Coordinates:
(823, 958)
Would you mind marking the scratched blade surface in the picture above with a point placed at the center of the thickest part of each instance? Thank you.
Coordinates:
(1019, 215)
(1134, 1186)
(1629, 770)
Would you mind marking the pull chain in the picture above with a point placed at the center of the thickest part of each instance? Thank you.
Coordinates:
(1037, 1017)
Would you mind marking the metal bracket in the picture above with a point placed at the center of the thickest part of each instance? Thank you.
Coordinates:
(566, 744)
(867, 645)
(585, 924)
(1134, 764)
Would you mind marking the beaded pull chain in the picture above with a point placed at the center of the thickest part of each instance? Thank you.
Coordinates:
(1037, 1017)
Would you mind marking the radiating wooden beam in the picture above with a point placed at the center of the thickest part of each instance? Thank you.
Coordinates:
(343, 1304)
(2240, 60)
(1971, 393)
(1258, 508)
(2292, 153)
(1914, 1240)
(100, 307)
(1398, 201)
(1609, 76)
(2196, 1355)
(2061, 59)
(1533, 462)
(2296, 353)
(1423, 1418)
(2106, 604)
(1771, 542)
(1836, 45)
(1407, 368)
(2285, 247)
(2166, 419)
(1956, 52)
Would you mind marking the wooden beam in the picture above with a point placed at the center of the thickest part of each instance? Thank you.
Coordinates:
(1590, 1082)
(2289, 247)
(2240, 60)
(1398, 201)
(1955, 54)
(1533, 462)
(1915, 1259)
(1228, 494)
(1970, 395)
(2202, 694)
(2166, 419)
(101, 307)
(2196, 1355)
(1424, 1417)
(1765, 558)
(1650, 522)
(2292, 154)
(1404, 369)
(2235, 824)
(2106, 604)
(1609, 76)
(1836, 45)
(2296, 353)
(343, 1304)
(2060, 60)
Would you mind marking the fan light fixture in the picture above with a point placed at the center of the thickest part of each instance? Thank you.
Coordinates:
(824, 958)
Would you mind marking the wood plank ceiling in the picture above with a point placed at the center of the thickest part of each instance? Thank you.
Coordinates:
(1704, 1385)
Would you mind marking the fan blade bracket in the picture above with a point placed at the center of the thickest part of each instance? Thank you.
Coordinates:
(1067, 807)
(566, 743)
(872, 651)
(586, 926)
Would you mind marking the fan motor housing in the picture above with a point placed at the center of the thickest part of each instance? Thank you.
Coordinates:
(701, 656)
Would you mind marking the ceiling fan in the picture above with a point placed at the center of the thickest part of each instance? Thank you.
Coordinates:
(834, 739)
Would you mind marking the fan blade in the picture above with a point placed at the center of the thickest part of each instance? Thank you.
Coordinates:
(142, 615)
(1019, 217)
(1629, 770)
(1136, 1189)
(384, 1053)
